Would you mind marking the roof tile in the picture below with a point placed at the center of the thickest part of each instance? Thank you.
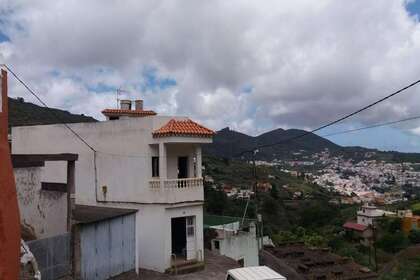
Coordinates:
(355, 226)
(183, 128)
(119, 112)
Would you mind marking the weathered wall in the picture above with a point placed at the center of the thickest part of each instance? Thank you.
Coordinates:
(45, 212)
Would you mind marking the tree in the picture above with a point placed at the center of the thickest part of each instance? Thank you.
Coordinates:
(392, 242)
(274, 192)
(395, 225)
(215, 201)
(414, 236)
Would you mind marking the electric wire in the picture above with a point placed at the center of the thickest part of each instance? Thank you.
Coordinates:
(371, 126)
(46, 106)
(332, 122)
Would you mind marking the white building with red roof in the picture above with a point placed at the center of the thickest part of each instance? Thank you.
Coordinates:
(139, 160)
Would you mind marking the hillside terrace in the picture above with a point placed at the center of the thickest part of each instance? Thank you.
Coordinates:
(320, 264)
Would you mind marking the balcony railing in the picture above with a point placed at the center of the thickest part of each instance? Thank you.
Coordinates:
(174, 184)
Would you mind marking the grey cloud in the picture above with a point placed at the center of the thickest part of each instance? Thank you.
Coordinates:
(307, 61)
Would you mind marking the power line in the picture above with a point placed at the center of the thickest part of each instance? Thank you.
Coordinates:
(371, 126)
(335, 121)
(46, 106)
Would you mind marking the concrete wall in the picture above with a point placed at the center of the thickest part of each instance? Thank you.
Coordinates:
(154, 245)
(363, 220)
(44, 212)
(180, 150)
(242, 245)
(125, 148)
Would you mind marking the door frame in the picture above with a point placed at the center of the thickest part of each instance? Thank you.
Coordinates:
(186, 167)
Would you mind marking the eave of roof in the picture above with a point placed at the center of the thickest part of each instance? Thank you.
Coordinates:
(183, 128)
(89, 214)
(122, 112)
(355, 226)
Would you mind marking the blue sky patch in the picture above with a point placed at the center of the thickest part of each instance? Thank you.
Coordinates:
(153, 82)
(382, 138)
(414, 7)
(101, 87)
(4, 37)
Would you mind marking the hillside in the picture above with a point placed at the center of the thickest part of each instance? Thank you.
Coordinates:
(25, 113)
(229, 144)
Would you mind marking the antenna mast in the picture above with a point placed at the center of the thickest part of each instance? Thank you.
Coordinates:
(118, 93)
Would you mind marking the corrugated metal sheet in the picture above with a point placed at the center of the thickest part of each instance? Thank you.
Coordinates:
(255, 273)
(107, 247)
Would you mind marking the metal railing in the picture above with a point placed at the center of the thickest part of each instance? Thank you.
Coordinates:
(169, 184)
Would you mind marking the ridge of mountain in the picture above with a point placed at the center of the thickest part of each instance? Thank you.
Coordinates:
(25, 113)
(230, 144)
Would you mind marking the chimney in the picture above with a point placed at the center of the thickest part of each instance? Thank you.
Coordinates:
(125, 104)
(139, 105)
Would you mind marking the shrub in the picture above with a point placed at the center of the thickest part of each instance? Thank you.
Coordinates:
(414, 236)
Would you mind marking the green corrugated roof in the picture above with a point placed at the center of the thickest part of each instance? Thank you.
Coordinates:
(215, 220)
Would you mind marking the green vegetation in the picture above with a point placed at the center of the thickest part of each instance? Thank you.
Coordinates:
(25, 113)
(309, 218)
(416, 208)
(414, 236)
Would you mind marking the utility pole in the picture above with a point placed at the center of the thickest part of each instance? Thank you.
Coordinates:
(374, 246)
(260, 231)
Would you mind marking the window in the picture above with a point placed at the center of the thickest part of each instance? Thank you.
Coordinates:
(114, 118)
(216, 244)
(190, 226)
(155, 166)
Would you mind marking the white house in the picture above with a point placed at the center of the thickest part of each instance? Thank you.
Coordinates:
(141, 161)
(237, 244)
(368, 214)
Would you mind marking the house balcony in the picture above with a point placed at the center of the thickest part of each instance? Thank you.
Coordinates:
(177, 190)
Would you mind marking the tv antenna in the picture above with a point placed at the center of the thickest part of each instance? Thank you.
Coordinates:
(118, 93)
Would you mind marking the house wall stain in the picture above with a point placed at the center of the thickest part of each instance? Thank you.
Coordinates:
(43, 211)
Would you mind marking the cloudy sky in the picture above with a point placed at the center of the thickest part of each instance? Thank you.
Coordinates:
(249, 65)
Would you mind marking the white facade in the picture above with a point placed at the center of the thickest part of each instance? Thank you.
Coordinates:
(239, 245)
(368, 214)
(119, 174)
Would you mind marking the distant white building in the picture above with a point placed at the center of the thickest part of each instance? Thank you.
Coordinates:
(368, 214)
(232, 242)
(142, 161)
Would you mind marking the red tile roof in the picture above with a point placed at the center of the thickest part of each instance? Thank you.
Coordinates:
(355, 226)
(122, 112)
(183, 128)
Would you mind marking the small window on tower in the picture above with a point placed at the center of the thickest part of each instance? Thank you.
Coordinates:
(155, 166)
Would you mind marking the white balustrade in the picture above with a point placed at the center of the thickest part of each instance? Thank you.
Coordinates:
(176, 184)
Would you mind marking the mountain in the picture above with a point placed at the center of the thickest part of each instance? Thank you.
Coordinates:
(25, 113)
(229, 143)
